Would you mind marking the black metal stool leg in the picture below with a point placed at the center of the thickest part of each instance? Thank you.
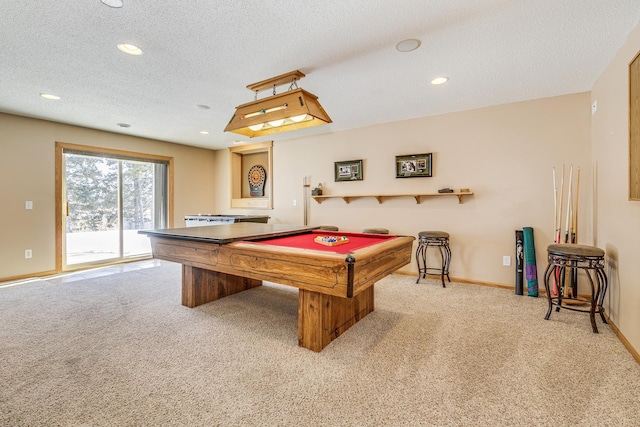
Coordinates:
(448, 260)
(547, 275)
(602, 278)
(593, 306)
(561, 274)
(421, 256)
(443, 266)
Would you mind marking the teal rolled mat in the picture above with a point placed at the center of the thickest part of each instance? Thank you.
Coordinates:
(531, 270)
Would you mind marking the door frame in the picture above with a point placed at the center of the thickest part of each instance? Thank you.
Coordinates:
(60, 204)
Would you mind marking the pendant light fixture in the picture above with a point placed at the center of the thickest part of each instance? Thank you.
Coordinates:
(291, 110)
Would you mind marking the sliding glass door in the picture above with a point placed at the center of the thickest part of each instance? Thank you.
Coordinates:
(107, 199)
(142, 207)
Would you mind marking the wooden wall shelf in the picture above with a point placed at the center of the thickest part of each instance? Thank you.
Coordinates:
(380, 197)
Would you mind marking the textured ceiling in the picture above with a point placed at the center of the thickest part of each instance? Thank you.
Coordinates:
(208, 51)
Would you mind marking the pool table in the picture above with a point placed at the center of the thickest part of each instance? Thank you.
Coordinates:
(336, 283)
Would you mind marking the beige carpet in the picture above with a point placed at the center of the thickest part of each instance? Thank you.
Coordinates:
(121, 350)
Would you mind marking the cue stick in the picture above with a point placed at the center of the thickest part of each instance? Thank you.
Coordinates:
(555, 203)
(574, 236)
(556, 223)
(556, 228)
(559, 229)
(566, 229)
(565, 278)
(574, 225)
(560, 207)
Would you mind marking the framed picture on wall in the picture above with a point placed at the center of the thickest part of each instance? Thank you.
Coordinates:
(413, 165)
(350, 170)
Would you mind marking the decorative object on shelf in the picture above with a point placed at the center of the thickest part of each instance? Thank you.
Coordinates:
(257, 178)
(290, 110)
(350, 170)
(331, 240)
(445, 190)
(317, 191)
(414, 165)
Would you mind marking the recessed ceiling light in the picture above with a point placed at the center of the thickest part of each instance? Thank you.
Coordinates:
(439, 80)
(204, 132)
(50, 96)
(408, 45)
(130, 49)
(203, 107)
(113, 3)
(124, 125)
(238, 142)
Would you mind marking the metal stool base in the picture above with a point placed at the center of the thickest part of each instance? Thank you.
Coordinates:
(564, 258)
(442, 243)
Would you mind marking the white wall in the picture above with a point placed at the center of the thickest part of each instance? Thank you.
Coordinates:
(618, 219)
(27, 172)
(504, 154)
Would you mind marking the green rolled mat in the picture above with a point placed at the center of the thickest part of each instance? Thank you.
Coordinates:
(531, 270)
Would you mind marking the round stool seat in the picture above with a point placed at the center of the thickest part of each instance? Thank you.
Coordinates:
(375, 231)
(433, 235)
(328, 228)
(575, 250)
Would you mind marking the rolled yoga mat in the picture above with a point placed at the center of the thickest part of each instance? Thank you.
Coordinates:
(531, 271)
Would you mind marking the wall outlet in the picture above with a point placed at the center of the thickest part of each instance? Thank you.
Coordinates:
(27, 253)
(506, 260)
(295, 203)
(28, 204)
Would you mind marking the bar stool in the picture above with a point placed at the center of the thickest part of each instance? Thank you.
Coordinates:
(375, 231)
(440, 240)
(565, 256)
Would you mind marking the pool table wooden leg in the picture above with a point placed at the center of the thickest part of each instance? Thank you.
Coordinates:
(322, 318)
(200, 286)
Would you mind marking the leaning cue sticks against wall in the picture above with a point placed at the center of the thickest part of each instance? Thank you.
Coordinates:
(567, 285)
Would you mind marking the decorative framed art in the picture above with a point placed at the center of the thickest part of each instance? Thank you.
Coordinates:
(350, 170)
(414, 165)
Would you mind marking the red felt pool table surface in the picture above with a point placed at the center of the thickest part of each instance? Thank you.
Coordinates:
(307, 241)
